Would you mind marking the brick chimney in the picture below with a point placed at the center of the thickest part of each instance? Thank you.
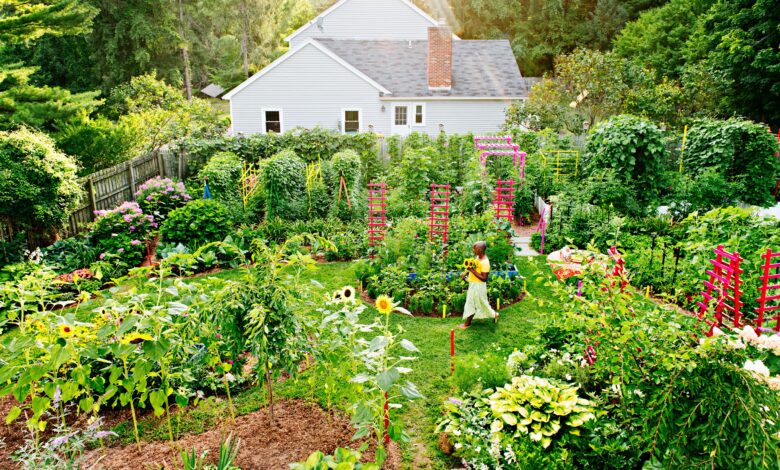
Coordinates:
(439, 57)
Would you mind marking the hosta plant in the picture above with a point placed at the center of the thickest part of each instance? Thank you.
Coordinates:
(541, 408)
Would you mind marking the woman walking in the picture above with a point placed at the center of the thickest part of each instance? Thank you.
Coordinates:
(477, 304)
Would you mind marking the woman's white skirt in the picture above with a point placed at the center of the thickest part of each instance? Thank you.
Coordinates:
(477, 304)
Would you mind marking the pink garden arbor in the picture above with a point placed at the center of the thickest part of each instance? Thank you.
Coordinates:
(502, 146)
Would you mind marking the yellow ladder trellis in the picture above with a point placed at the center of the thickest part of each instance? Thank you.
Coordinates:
(248, 181)
(313, 175)
(562, 162)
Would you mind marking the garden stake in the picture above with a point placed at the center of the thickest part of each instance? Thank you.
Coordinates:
(498, 304)
(452, 352)
(579, 288)
(387, 423)
(444, 311)
(676, 263)
(525, 291)
(682, 149)
(647, 292)
(663, 260)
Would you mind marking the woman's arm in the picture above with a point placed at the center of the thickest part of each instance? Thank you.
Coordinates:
(481, 276)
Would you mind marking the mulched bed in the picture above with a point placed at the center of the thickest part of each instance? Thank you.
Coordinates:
(300, 429)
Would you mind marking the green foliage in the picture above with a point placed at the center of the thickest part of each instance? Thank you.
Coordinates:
(476, 372)
(97, 143)
(342, 459)
(284, 180)
(633, 147)
(70, 254)
(38, 185)
(198, 222)
(740, 151)
(702, 193)
(223, 171)
(159, 196)
(159, 113)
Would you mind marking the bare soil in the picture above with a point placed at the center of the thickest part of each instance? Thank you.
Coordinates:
(300, 429)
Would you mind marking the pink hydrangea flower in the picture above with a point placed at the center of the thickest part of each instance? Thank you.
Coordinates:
(121, 250)
(102, 255)
(135, 242)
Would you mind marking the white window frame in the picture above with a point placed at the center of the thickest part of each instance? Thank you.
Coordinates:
(344, 119)
(281, 119)
(414, 114)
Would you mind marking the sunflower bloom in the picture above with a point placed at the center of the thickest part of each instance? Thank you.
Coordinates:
(384, 304)
(135, 338)
(66, 331)
(348, 294)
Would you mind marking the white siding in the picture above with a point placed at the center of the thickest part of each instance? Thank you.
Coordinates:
(368, 19)
(311, 89)
(477, 116)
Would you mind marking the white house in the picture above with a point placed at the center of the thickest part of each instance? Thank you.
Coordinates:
(382, 66)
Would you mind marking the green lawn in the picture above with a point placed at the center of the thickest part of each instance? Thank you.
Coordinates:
(516, 328)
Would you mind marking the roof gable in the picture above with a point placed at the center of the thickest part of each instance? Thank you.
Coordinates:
(292, 52)
(340, 3)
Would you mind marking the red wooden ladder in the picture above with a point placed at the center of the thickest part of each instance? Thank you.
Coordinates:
(440, 212)
(769, 301)
(723, 287)
(377, 215)
(504, 199)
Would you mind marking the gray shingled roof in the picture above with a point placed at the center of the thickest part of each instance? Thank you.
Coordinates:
(479, 68)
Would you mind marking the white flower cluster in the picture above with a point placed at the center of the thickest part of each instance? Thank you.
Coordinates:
(748, 336)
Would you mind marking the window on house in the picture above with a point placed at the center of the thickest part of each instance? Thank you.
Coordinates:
(273, 120)
(400, 115)
(419, 114)
(351, 121)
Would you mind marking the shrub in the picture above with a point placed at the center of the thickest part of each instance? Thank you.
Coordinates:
(633, 147)
(223, 171)
(71, 253)
(99, 143)
(284, 181)
(741, 151)
(38, 184)
(120, 234)
(199, 222)
(159, 196)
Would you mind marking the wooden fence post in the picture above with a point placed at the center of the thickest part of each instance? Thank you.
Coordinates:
(131, 178)
(160, 164)
(92, 202)
(181, 165)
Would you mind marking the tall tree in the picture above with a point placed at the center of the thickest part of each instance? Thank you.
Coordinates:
(22, 102)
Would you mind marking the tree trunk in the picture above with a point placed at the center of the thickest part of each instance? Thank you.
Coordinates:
(185, 53)
(244, 36)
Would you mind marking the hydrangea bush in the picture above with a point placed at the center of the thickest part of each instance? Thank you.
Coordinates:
(121, 233)
(159, 196)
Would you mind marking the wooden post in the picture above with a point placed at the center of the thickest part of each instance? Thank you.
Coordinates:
(160, 164)
(131, 178)
(180, 170)
(92, 201)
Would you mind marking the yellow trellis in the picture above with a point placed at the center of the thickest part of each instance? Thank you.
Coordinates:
(313, 175)
(248, 181)
(562, 162)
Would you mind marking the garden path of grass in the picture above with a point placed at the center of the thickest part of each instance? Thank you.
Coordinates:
(431, 372)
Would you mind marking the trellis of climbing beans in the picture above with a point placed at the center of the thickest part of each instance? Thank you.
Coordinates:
(440, 212)
(724, 288)
(769, 300)
(377, 215)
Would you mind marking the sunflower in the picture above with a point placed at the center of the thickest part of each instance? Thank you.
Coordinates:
(348, 294)
(384, 304)
(135, 338)
(469, 263)
(66, 330)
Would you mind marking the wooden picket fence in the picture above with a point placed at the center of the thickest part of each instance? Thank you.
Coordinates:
(110, 187)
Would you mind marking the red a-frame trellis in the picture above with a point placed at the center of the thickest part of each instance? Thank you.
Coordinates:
(769, 301)
(440, 212)
(723, 287)
(377, 215)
